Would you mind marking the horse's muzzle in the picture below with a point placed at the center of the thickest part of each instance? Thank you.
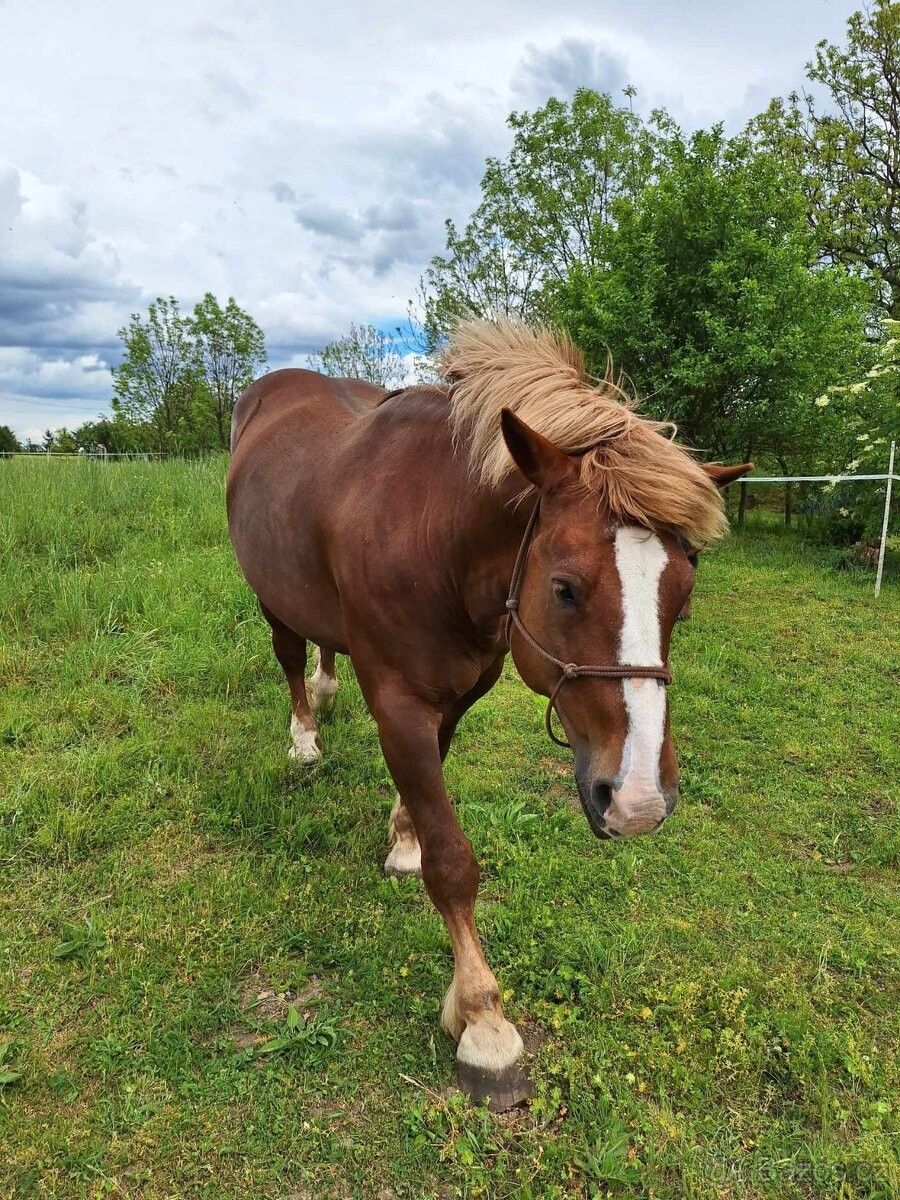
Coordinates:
(598, 803)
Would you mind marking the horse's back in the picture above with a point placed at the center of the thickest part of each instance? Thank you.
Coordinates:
(293, 394)
(288, 432)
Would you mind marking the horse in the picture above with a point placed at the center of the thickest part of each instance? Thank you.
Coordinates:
(521, 507)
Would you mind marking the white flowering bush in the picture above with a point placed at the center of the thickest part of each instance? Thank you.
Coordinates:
(866, 418)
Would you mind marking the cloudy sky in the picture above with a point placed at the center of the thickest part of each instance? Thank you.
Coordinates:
(299, 156)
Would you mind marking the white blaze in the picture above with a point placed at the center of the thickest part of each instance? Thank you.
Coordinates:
(640, 560)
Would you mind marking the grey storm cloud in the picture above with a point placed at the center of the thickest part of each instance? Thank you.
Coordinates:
(381, 235)
(560, 70)
(38, 312)
(443, 149)
(52, 268)
(328, 220)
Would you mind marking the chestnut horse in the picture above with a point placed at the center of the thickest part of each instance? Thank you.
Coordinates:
(388, 526)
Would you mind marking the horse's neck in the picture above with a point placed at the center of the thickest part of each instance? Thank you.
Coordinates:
(492, 526)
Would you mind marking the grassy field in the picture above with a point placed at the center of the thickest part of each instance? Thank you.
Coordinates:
(207, 988)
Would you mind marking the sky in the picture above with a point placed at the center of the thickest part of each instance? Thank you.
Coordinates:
(302, 157)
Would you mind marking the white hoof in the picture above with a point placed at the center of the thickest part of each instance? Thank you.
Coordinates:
(490, 1044)
(305, 744)
(405, 858)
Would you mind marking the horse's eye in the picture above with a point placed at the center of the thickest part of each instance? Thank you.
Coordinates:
(563, 591)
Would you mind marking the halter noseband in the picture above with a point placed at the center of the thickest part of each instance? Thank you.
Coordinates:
(568, 670)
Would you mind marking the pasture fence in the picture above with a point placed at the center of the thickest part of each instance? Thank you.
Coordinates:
(831, 480)
(102, 455)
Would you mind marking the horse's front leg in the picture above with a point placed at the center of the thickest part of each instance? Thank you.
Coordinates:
(405, 854)
(490, 1048)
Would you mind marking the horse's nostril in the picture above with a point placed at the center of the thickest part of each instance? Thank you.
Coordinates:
(595, 800)
(601, 797)
(671, 798)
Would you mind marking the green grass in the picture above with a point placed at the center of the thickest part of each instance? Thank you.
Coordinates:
(714, 1009)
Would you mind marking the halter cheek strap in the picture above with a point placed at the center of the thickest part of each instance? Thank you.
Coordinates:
(567, 670)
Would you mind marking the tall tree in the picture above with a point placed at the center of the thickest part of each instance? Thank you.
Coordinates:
(706, 296)
(543, 208)
(363, 353)
(482, 273)
(9, 443)
(157, 381)
(845, 147)
(229, 351)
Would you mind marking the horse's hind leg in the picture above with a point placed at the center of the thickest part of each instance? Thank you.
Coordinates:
(405, 853)
(322, 684)
(290, 650)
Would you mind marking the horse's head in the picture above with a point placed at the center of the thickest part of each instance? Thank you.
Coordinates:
(599, 591)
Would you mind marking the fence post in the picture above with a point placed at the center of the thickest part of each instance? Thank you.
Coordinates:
(884, 523)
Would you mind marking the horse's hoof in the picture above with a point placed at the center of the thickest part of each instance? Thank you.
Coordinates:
(308, 752)
(404, 860)
(306, 745)
(503, 1090)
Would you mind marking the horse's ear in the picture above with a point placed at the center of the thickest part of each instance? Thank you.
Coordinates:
(540, 461)
(722, 476)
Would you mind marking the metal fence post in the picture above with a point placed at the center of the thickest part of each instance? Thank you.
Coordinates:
(884, 523)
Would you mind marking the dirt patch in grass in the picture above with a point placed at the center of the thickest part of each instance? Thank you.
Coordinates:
(264, 1003)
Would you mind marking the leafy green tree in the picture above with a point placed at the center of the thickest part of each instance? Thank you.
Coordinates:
(846, 150)
(481, 273)
(9, 443)
(865, 416)
(363, 353)
(705, 294)
(64, 442)
(229, 352)
(116, 434)
(544, 208)
(157, 383)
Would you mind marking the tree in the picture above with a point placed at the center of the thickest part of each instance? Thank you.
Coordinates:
(543, 208)
(482, 273)
(363, 353)
(9, 443)
(705, 294)
(116, 434)
(848, 154)
(866, 417)
(157, 381)
(64, 442)
(229, 351)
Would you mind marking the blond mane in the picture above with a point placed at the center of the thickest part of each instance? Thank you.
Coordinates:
(637, 472)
